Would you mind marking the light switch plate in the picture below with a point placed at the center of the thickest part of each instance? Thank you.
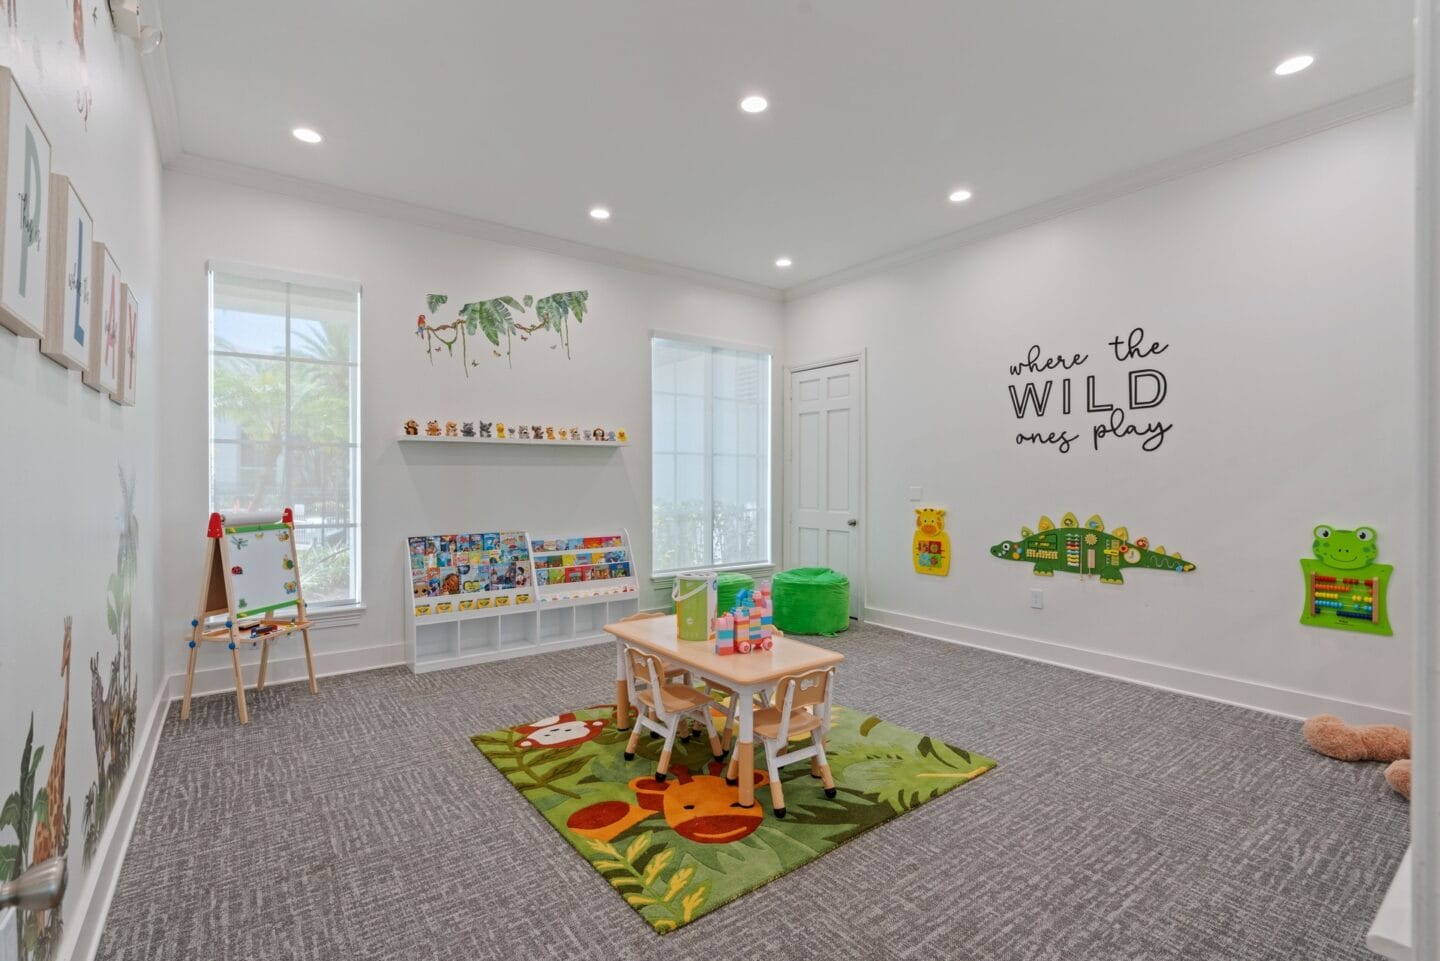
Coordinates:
(9, 946)
(917, 492)
(1037, 598)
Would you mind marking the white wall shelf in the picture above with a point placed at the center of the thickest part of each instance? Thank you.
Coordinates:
(510, 441)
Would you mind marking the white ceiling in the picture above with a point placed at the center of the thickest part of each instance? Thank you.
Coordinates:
(528, 112)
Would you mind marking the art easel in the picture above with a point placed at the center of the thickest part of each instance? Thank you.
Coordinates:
(247, 618)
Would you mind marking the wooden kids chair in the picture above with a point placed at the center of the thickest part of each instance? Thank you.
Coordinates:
(666, 705)
(673, 672)
(803, 705)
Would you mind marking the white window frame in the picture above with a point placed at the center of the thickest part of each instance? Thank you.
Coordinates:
(764, 444)
(338, 610)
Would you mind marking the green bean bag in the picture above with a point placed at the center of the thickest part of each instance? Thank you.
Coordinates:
(731, 584)
(811, 600)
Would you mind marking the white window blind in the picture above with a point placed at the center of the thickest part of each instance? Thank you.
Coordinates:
(284, 416)
(710, 430)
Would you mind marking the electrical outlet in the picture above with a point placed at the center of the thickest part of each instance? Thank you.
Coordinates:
(1037, 598)
(916, 493)
(9, 943)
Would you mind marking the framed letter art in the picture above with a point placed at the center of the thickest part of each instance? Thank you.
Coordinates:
(129, 332)
(67, 307)
(103, 371)
(25, 176)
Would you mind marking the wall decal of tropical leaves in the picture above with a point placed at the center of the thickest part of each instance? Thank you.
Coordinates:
(500, 318)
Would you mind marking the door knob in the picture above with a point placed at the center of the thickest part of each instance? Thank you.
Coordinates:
(852, 522)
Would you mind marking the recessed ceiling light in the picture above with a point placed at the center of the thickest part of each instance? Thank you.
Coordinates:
(1294, 65)
(600, 213)
(960, 196)
(783, 262)
(754, 104)
(306, 135)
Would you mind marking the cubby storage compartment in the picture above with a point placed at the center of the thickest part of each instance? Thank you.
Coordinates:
(436, 640)
(590, 619)
(519, 629)
(557, 624)
(479, 634)
(621, 609)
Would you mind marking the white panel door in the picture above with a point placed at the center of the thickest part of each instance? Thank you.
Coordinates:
(823, 490)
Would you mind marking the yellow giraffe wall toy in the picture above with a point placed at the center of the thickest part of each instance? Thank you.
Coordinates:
(931, 543)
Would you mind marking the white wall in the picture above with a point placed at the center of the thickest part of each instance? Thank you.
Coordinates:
(62, 445)
(414, 489)
(1283, 283)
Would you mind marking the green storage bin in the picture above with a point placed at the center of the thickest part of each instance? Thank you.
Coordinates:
(731, 584)
(811, 600)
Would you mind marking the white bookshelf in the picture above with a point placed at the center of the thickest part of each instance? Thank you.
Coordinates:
(543, 614)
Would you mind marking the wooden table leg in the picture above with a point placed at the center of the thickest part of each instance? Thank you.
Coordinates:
(746, 747)
(622, 690)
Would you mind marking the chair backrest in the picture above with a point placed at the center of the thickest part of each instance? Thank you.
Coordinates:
(795, 691)
(800, 690)
(642, 616)
(645, 673)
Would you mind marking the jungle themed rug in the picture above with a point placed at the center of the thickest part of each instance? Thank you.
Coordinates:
(678, 849)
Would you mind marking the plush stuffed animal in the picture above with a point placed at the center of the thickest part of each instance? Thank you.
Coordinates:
(1332, 737)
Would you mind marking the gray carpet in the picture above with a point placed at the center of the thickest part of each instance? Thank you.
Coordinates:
(1123, 822)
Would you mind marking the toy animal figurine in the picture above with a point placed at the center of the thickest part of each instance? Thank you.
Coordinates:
(597, 434)
(564, 434)
(467, 429)
(609, 435)
(485, 427)
(549, 433)
(411, 428)
(620, 436)
(451, 429)
(432, 429)
(524, 432)
(575, 433)
(499, 430)
(538, 432)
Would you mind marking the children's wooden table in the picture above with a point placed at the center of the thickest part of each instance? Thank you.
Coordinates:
(745, 674)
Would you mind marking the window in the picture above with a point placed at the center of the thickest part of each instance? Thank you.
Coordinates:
(710, 430)
(284, 416)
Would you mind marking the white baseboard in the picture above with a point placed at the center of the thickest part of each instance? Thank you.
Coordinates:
(82, 936)
(1180, 680)
(219, 677)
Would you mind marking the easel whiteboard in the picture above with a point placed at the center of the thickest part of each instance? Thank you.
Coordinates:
(250, 570)
(261, 559)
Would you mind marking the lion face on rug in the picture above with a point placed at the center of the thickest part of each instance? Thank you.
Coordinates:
(562, 730)
(699, 807)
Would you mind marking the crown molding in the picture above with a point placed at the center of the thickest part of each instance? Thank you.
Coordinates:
(405, 212)
(155, 69)
(1389, 96)
(1395, 94)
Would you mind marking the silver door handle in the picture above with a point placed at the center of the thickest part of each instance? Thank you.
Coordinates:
(852, 522)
